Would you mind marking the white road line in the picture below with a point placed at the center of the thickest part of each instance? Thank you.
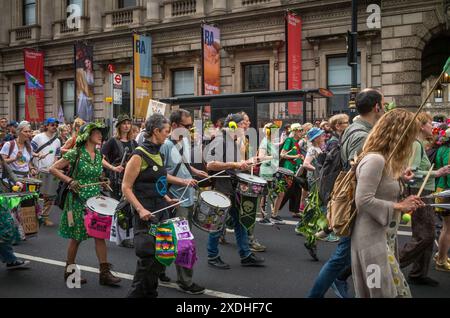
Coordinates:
(401, 233)
(88, 269)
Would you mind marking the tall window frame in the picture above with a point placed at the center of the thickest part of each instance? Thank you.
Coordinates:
(29, 12)
(68, 98)
(260, 71)
(187, 76)
(19, 101)
(122, 4)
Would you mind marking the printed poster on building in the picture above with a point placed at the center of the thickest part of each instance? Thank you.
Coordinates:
(34, 87)
(294, 59)
(85, 80)
(142, 59)
(211, 60)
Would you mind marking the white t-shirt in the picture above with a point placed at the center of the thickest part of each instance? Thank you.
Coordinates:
(54, 148)
(20, 165)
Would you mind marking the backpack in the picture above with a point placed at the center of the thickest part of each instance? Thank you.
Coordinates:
(330, 169)
(342, 207)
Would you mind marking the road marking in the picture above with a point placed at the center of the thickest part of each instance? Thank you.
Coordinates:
(401, 233)
(88, 269)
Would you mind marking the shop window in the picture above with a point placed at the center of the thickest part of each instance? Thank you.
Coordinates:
(125, 108)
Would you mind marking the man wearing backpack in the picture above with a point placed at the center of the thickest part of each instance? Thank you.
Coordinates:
(48, 146)
(335, 272)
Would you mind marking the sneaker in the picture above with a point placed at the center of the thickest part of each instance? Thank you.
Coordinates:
(312, 250)
(266, 222)
(218, 263)
(164, 278)
(252, 261)
(332, 238)
(18, 264)
(435, 257)
(426, 281)
(194, 289)
(256, 247)
(321, 235)
(340, 288)
(296, 215)
(445, 267)
(277, 220)
(230, 230)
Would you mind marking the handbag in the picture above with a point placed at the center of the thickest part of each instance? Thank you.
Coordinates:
(63, 188)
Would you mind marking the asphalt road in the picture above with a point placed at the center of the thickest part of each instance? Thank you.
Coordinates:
(289, 271)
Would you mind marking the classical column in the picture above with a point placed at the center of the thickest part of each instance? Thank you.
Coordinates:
(5, 7)
(95, 15)
(46, 19)
(152, 12)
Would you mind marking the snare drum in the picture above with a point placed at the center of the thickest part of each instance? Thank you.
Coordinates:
(49, 183)
(99, 215)
(251, 186)
(286, 176)
(211, 211)
(30, 184)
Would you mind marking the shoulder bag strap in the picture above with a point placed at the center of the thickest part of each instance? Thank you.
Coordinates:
(48, 143)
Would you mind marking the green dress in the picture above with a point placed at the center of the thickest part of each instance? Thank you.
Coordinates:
(88, 172)
(292, 147)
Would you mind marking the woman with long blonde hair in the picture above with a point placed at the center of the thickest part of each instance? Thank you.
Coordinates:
(379, 204)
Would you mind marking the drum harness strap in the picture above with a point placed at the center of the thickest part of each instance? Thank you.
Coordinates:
(180, 149)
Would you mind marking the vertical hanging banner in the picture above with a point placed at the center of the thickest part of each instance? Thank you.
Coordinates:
(142, 61)
(294, 59)
(34, 88)
(211, 60)
(85, 80)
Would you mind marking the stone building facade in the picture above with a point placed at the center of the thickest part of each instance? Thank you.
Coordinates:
(401, 58)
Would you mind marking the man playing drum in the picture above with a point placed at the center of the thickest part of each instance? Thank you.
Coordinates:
(48, 146)
(223, 154)
(176, 152)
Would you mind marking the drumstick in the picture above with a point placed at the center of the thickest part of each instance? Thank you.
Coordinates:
(423, 184)
(425, 181)
(169, 207)
(93, 184)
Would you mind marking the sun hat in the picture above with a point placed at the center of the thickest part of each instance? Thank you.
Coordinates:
(86, 131)
(314, 133)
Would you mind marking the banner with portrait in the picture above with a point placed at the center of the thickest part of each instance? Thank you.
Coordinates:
(34, 87)
(294, 59)
(211, 60)
(142, 61)
(85, 80)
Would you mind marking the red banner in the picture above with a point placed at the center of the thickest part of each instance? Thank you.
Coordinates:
(294, 58)
(35, 86)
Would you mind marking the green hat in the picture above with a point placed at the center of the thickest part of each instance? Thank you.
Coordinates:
(121, 119)
(86, 130)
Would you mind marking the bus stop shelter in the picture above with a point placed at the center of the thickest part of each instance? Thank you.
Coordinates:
(260, 106)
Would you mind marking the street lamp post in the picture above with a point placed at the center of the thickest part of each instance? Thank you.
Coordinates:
(353, 57)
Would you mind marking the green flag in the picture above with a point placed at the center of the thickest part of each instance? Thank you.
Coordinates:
(447, 66)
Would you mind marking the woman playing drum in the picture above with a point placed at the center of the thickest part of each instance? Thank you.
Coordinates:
(87, 163)
(145, 187)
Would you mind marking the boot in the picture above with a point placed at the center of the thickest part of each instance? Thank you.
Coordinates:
(67, 274)
(106, 278)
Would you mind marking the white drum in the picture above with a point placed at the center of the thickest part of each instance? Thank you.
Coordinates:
(211, 211)
(251, 186)
(99, 215)
(49, 183)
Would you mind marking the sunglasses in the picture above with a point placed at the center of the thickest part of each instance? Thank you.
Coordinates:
(53, 125)
(188, 127)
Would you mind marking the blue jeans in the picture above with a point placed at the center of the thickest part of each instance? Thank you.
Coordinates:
(241, 238)
(338, 262)
(6, 253)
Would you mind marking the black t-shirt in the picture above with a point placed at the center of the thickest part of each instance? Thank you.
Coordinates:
(113, 153)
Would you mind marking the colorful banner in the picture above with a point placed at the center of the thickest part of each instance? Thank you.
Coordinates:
(211, 60)
(142, 48)
(294, 59)
(34, 87)
(85, 80)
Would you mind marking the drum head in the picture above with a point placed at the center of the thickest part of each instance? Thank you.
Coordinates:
(103, 205)
(285, 171)
(216, 199)
(250, 179)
